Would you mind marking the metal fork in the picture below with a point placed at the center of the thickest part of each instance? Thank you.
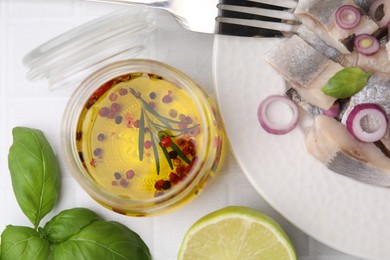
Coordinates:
(262, 18)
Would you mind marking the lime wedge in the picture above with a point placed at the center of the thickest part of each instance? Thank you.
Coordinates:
(236, 233)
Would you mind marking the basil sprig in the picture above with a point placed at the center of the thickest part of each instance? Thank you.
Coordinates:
(76, 233)
(346, 83)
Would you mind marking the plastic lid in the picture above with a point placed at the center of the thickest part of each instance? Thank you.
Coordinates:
(72, 56)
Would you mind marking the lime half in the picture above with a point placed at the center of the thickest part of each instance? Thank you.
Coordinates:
(236, 233)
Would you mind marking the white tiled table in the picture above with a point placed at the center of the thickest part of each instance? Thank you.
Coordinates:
(24, 24)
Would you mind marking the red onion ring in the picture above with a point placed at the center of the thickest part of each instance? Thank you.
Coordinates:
(347, 16)
(370, 112)
(271, 127)
(366, 44)
(375, 7)
(333, 111)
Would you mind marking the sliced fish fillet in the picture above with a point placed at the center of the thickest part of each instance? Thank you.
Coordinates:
(319, 16)
(330, 142)
(377, 91)
(306, 69)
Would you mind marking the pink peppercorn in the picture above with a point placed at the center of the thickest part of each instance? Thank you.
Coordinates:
(147, 144)
(130, 174)
(113, 97)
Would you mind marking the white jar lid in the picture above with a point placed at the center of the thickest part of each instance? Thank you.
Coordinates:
(71, 57)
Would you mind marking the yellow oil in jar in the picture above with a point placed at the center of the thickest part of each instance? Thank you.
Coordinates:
(139, 135)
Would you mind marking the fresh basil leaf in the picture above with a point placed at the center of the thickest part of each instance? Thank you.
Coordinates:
(35, 173)
(346, 83)
(103, 240)
(23, 243)
(68, 223)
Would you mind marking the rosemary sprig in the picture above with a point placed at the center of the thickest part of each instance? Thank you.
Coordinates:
(180, 153)
(141, 135)
(155, 152)
(166, 121)
(166, 153)
(158, 132)
(181, 131)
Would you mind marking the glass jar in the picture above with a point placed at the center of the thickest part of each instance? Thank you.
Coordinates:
(141, 137)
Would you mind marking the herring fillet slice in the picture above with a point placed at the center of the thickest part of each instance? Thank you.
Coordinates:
(319, 16)
(306, 69)
(330, 142)
(377, 91)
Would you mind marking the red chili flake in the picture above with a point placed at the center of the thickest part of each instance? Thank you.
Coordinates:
(159, 184)
(193, 152)
(136, 123)
(166, 141)
(152, 104)
(122, 77)
(181, 141)
(194, 160)
(124, 183)
(119, 211)
(188, 168)
(181, 177)
(93, 163)
(113, 97)
(187, 150)
(115, 107)
(130, 174)
(192, 143)
(104, 111)
(167, 99)
(174, 178)
(173, 112)
(181, 169)
(78, 135)
(114, 183)
(147, 144)
(103, 89)
(123, 91)
(81, 156)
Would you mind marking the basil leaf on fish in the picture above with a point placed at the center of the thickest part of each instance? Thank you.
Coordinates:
(35, 173)
(68, 223)
(103, 240)
(346, 83)
(23, 243)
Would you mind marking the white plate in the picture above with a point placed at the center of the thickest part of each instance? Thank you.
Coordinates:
(343, 213)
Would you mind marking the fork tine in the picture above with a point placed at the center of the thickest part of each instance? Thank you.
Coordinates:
(281, 3)
(275, 26)
(284, 15)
